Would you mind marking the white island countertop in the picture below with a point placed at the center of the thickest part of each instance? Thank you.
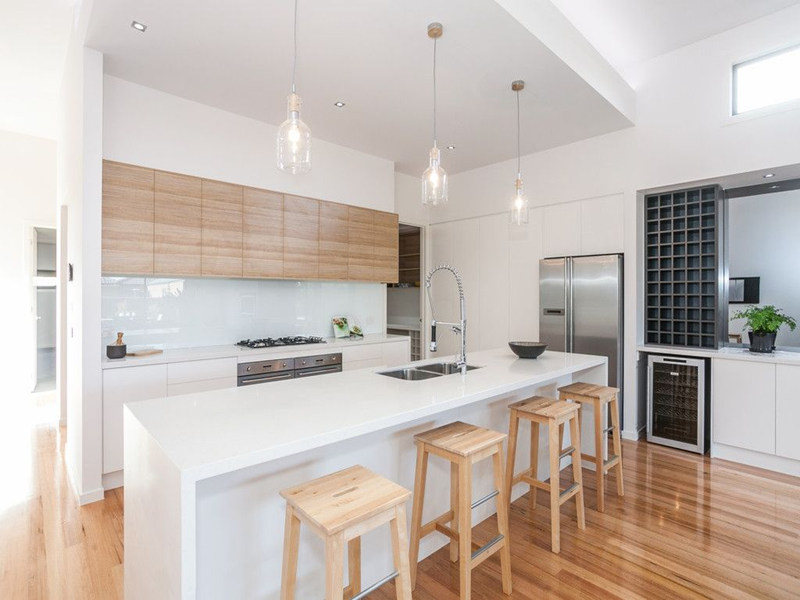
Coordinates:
(212, 433)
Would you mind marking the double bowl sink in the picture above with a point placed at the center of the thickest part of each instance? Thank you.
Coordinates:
(425, 371)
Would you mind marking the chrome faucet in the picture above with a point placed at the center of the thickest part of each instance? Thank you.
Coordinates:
(461, 326)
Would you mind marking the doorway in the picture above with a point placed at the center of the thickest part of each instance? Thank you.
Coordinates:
(403, 299)
(44, 308)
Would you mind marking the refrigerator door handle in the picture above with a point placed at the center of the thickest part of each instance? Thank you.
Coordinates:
(553, 311)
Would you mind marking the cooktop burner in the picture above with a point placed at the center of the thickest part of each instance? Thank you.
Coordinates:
(295, 340)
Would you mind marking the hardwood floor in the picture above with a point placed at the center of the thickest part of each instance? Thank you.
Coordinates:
(688, 527)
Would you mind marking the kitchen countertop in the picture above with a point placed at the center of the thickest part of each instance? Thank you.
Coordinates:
(248, 354)
(212, 433)
(727, 353)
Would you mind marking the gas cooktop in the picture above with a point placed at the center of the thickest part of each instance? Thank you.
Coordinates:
(296, 340)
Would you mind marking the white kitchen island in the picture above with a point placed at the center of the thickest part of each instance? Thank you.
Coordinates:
(203, 518)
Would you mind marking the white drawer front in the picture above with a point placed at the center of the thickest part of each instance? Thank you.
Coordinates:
(191, 387)
(364, 352)
(201, 370)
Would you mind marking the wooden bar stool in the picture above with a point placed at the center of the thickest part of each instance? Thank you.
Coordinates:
(600, 397)
(340, 508)
(555, 415)
(463, 445)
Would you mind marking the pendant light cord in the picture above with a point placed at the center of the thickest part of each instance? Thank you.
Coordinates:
(294, 61)
(519, 169)
(434, 92)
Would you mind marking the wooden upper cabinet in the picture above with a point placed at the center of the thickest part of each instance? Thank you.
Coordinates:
(386, 244)
(178, 224)
(262, 234)
(333, 240)
(361, 242)
(300, 238)
(222, 229)
(128, 200)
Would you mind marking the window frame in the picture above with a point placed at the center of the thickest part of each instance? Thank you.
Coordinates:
(735, 112)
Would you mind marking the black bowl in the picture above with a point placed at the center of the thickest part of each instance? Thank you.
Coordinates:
(527, 349)
(116, 350)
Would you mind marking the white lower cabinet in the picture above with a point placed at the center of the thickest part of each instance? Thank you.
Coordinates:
(127, 384)
(376, 355)
(397, 353)
(201, 376)
(743, 410)
(787, 408)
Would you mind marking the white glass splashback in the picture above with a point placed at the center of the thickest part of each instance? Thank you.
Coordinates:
(188, 312)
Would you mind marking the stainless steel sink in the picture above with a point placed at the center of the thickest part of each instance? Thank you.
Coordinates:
(425, 371)
(410, 374)
(444, 368)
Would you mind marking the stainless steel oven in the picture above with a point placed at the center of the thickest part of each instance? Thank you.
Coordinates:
(265, 371)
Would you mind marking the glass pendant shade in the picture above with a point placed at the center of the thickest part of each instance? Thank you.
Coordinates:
(434, 181)
(519, 205)
(294, 140)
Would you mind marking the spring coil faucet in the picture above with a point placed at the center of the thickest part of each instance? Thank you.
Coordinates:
(461, 326)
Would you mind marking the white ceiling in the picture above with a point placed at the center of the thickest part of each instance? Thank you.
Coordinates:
(627, 32)
(33, 42)
(372, 54)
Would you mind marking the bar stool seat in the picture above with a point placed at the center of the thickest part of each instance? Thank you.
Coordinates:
(602, 398)
(463, 445)
(339, 508)
(555, 415)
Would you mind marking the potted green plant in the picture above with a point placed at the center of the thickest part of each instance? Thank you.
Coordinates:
(763, 323)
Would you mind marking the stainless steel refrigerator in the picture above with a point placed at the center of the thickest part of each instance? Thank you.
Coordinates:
(581, 308)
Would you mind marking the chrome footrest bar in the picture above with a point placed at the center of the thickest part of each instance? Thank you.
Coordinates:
(566, 452)
(486, 546)
(486, 498)
(375, 586)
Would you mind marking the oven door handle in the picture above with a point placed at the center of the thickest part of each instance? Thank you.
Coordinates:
(270, 377)
(318, 371)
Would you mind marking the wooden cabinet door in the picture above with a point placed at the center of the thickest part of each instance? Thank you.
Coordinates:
(787, 400)
(333, 238)
(743, 405)
(178, 224)
(361, 244)
(222, 229)
(263, 233)
(128, 204)
(300, 238)
(386, 247)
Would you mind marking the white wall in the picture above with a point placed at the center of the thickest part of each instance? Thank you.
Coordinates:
(146, 127)
(683, 133)
(764, 242)
(28, 199)
(188, 312)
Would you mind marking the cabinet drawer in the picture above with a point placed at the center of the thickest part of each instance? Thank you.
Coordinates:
(206, 385)
(364, 352)
(201, 370)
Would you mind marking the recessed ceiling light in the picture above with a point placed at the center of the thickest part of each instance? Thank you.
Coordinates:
(774, 187)
(768, 175)
(451, 147)
(339, 104)
(139, 26)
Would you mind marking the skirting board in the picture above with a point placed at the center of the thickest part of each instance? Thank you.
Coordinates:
(83, 498)
(633, 436)
(756, 459)
(113, 480)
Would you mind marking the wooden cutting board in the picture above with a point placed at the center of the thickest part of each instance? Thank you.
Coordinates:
(144, 352)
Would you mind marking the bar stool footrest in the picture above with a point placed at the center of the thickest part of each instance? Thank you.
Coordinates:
(486, 549)
(432, 525)
(375, 586)
(566, 452)
(568, 493)
(612, 461)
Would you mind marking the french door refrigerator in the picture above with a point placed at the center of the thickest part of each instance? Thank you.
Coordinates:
(581, 308)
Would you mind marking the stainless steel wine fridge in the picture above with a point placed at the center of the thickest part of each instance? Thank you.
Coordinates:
(678, 402)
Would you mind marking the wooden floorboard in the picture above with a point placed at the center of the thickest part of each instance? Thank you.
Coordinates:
(688, 527)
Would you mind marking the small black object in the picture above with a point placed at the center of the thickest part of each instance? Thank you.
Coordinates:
(116, 350)
(527, 349)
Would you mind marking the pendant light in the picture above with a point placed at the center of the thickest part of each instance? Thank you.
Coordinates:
(434, 179)
(294, 136)
(519, 203)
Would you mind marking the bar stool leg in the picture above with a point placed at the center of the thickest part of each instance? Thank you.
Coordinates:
(502, 519)
(455, 508)
(353, 567)
(599, 445)
(615, 435)
(513, 430)
(534, 462)
(416, 511)
(555, 490)
(291, 547)
(400, 549)
(577, 475)
(334, 569)
(465, 528)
